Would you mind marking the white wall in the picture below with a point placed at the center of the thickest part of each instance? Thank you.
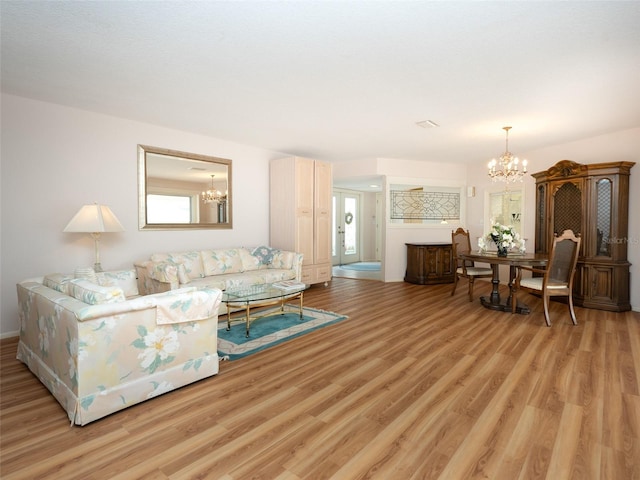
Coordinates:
(395, 237)
(368, 228)
(614, 147)
(618, 146)
(55, 159)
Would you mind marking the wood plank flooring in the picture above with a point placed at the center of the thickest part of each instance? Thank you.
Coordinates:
(416, 384)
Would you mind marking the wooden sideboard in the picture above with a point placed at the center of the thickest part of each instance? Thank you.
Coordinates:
(429, 263)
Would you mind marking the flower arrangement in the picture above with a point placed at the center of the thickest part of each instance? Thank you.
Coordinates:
(504, 237)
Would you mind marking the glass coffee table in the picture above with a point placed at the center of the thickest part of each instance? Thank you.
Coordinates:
(264, 295)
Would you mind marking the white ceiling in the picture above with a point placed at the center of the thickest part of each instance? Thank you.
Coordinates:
(338, 80)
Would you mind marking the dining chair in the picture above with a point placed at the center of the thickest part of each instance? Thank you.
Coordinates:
(465, 268)
(557, 277)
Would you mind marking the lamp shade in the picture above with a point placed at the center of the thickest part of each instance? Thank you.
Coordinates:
(94, 219)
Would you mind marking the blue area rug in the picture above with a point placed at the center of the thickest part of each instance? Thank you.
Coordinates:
(269, 331)
(362, 266)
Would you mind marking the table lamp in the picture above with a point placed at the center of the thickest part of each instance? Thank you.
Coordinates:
(94, 219)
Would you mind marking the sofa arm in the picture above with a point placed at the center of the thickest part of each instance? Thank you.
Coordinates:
(289, 261)
(186, 305)
(297, 265)
(156, 277)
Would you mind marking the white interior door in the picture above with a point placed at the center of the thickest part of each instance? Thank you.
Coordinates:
(345, 244)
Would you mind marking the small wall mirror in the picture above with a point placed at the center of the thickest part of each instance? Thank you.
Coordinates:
(504, 207)
(179, 190)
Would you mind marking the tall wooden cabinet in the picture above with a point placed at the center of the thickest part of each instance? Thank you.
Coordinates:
(592, 200)
(300, 206)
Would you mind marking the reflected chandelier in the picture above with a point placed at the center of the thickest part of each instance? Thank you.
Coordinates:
(213, 195)
(507, 167)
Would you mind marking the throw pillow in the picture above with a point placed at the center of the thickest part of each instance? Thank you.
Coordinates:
(125, 279)
(265, 254)
(183, 278)
(192, 262)
(163, 271)
(93, 294)
(249, 261)
(86, 272)
(283, 260)
(218, 262)
(58, 282)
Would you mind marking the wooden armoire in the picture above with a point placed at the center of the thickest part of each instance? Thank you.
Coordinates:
(593, 201)
(300, 213)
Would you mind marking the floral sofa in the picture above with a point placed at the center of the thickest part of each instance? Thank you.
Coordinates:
(221, 268)
(99, 347)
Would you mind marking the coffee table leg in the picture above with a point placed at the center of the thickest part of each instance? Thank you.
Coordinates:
(248, 318)
(228, 318)
(301, 295)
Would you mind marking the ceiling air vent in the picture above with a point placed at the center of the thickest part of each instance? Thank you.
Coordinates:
(427, 124)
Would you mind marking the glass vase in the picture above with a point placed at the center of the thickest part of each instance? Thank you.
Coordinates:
(502, 251)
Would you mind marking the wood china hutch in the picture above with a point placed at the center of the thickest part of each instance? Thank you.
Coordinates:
(592, 200)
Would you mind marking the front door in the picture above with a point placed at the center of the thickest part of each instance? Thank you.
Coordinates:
(345, 243)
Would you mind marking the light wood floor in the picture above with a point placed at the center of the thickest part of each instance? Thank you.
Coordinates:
(416, 384)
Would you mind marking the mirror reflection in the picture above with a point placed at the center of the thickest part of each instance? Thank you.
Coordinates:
(505, 207)
(179, 190)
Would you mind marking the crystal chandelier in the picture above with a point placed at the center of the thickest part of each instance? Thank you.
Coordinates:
(507, 167)
(213, 195)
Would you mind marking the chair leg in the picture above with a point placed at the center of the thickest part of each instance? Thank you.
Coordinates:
(545, 302)
(471, 289)
(455, 284)
(571, 311)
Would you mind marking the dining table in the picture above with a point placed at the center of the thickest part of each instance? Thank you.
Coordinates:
(513, 259)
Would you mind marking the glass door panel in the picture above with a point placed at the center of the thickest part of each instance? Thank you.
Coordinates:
(346, 231)
(603, 217)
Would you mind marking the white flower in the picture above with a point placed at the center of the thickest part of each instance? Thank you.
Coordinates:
(522, 247)
(72, 367)
(43, 334)
(110, 322)
(504, 236)
(74, 355)
(159, 344)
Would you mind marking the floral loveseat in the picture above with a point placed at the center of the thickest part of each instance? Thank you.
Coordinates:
(100, 348)
(220, 268)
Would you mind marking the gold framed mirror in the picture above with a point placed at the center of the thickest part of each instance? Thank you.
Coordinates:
(181, 191)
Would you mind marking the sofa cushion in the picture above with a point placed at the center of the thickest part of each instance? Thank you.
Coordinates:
(125, 279)
(244, 279)
(249, 261)
(163, 271)
(88, 273)
(58, 282)
(216, 281)
(183, 278)
(265, 254)
(218, 262)
(192, 262)
(93, 294)
(282, 260)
